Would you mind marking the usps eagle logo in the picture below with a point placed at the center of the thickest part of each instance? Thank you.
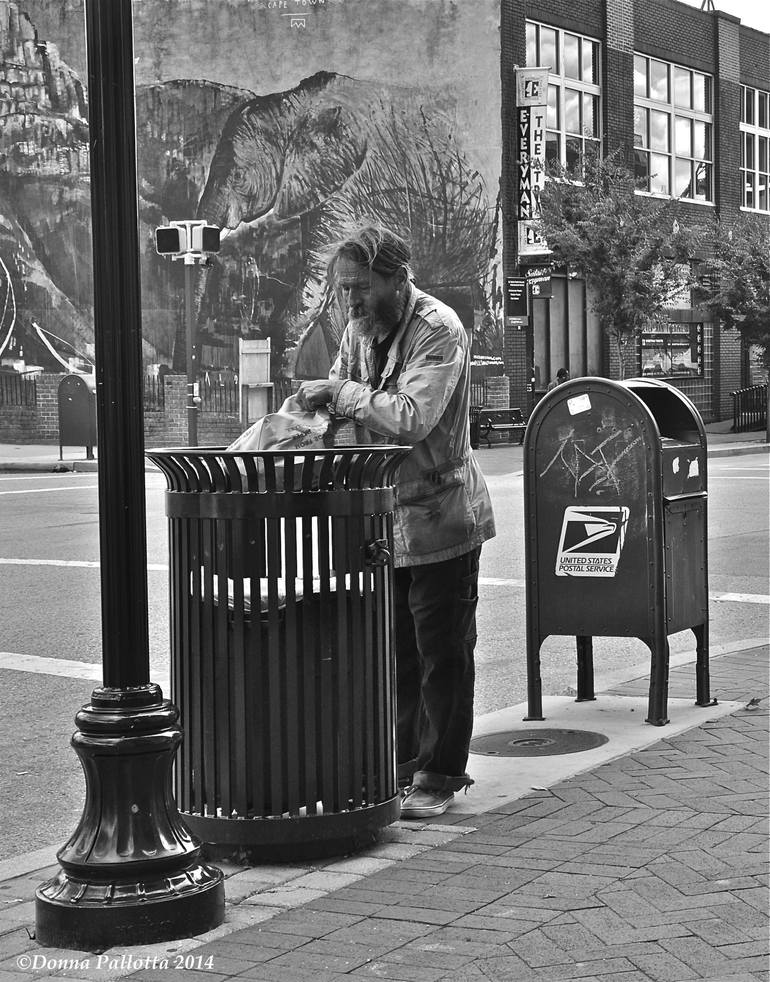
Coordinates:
(591, 540)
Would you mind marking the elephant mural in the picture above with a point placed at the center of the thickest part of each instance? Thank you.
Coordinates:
(282, 173)
(321, 157)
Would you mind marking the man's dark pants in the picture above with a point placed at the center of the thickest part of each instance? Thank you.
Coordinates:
(435, 612)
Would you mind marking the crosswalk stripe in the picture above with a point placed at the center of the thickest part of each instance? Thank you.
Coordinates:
(491, 581)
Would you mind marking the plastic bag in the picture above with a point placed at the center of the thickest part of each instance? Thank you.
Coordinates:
(291, 428)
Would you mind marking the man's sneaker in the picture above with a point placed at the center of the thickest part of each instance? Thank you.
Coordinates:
(419, 803)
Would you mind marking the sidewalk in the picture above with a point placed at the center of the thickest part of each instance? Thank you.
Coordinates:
(501, 458)
(641, 860)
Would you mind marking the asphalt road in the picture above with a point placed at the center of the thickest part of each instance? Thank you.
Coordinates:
(50, 614)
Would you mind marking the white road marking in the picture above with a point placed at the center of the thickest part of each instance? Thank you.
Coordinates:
(73, 487)
(740, 598)
(514, 584)
(77, 563)
(64, 668)
(497, 581)
(43, 477)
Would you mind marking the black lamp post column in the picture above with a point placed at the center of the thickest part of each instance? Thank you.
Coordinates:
(131, 872)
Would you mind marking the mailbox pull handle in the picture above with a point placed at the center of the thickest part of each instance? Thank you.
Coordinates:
(377, 553)
(672, 498)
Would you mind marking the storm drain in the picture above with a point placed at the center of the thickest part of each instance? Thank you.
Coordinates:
(537, 743)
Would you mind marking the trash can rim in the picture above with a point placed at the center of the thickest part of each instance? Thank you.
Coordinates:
(296, 452)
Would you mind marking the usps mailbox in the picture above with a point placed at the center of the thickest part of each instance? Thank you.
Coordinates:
(77, 413)
(615, 526)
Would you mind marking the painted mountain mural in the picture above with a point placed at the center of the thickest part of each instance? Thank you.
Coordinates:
(282, 174)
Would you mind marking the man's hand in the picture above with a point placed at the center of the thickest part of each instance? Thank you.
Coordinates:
(313, 394)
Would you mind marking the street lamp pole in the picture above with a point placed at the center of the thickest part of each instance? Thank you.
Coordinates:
(131, 872)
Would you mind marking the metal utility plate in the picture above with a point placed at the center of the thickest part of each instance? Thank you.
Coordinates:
(537, 743)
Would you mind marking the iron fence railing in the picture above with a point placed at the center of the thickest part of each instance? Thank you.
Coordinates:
(479, 393)
(219, 394)
(282, 389)
(17, 390)
(749, 408)
(153, 393)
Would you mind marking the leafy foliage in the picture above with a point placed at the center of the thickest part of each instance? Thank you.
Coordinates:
(740, 274)
(631, 250)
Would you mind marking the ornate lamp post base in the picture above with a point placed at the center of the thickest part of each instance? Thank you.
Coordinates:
(131, 872)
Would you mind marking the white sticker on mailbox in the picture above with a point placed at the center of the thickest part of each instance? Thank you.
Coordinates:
(591, 540)
(579, 404)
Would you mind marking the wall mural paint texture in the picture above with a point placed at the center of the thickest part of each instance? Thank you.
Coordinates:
(284, 122)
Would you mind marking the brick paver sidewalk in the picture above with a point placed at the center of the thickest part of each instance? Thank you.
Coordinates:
(651, 867)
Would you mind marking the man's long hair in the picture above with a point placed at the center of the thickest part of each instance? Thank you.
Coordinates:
(374, 246)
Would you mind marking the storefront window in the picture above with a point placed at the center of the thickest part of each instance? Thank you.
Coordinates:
(672, 350)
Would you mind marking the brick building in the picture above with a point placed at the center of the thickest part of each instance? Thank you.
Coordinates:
(686, 94)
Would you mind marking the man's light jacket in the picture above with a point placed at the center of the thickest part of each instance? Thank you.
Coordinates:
(442, 502)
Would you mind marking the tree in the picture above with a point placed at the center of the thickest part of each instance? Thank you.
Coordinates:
(739, 275)
(631, 250)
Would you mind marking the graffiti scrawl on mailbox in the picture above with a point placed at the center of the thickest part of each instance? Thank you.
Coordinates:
(593, 469)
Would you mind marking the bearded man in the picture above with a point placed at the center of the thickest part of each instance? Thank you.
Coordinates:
(403, 374)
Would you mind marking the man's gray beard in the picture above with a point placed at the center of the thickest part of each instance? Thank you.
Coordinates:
(367, 326)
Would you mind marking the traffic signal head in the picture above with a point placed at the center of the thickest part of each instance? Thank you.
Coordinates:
(205, 238)
(169, 239)
(185, 238)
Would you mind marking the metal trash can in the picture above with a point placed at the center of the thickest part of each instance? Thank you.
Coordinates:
(615, 527)
(77, 413)
(281, 635)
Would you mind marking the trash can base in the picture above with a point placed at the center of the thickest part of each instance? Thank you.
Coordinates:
(266, 840)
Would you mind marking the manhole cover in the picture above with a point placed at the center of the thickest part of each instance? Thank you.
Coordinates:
(537, 743)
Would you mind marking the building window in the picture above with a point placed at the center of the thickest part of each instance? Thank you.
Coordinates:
(573, 117)
(673, 130)
(755, 148)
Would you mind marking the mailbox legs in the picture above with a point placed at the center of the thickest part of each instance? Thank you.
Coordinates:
(658, 698)
(534, 682)
(585, 668)
(702, 686)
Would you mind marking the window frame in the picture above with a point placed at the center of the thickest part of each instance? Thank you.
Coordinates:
(586, 93)
(649, 105)
(754, 137)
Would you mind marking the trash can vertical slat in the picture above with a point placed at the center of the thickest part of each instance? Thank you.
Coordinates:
(237, 653)
(325, 633)
(273, 747)
(292, 671)
(195, 679)
(178, 638)
(384, 628)
(371, 669)
(255, 720)
(207, 641)
(223, 662)
(341, 564)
